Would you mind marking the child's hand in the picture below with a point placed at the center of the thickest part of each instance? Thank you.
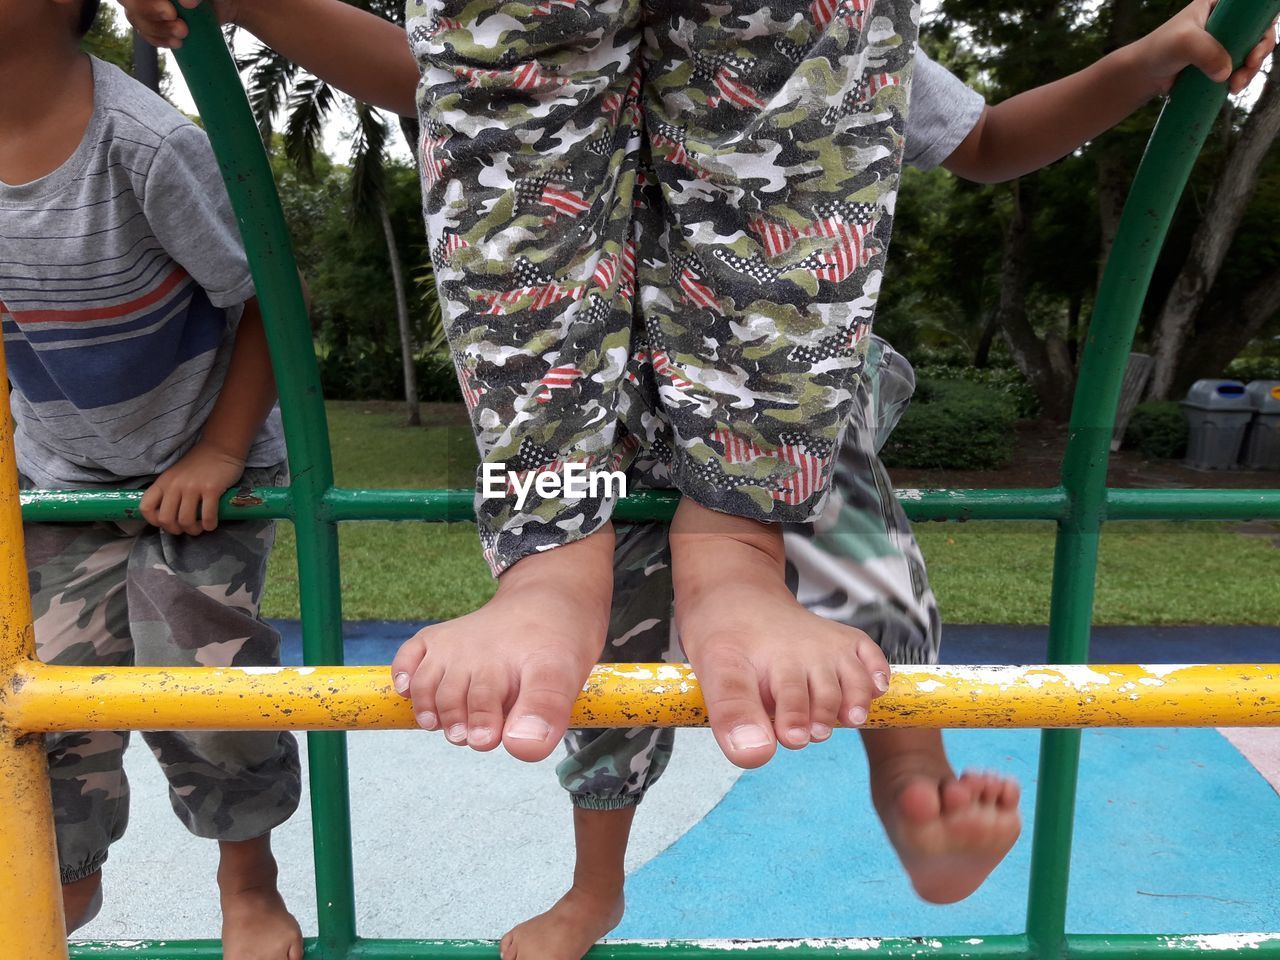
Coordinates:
(158, 21)
(184, 499)
(1183, 41)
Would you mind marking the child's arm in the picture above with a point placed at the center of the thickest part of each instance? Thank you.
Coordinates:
(1033, 129)
(372, 62)
(184, 499)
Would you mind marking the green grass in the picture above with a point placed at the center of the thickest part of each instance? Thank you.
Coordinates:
(1150, 573)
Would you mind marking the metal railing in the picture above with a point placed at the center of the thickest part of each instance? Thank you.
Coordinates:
(36, 698)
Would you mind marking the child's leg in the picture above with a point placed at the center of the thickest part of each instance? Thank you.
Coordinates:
(77, 574)
(949, 832)
(608, 772)
(593, 904)
(193, 601)
(775, 139)
(758, 298)
(860, 564)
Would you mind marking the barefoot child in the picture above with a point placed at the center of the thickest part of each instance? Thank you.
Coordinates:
(658, 233)
(859, 563)
(137, 357)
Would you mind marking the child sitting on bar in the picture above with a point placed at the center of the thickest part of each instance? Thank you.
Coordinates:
(138, 359)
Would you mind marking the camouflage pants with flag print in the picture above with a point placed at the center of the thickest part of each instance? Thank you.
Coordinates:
(658, 229)
(858, 563)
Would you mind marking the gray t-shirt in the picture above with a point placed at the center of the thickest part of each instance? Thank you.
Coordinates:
(943, 111)
(122, 282)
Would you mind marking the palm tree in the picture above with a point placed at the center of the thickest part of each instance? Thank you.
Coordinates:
(276, 86)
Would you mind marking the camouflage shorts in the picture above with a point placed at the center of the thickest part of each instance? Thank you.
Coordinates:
(122, 594)
(658, 229)
(858, 563)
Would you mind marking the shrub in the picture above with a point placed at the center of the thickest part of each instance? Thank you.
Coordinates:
(362, 371)
(954, 424)
(1254, 368)
(1006, 379)
(1158, 430)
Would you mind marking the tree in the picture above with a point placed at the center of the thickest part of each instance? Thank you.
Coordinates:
(275, 84)
(1216, 287)
(110, 39)
(1223, 215)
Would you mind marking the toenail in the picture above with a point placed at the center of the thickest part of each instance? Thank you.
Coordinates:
(881, 681)
(457, 733)
(749, 736)
(427, 720)
(401, 682)
(529, 728)
(857, 716)
(798, 735)
(819, 731)
(480, 736)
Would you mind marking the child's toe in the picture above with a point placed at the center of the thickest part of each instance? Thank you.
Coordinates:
(451, 704)
(407, 661)
(540, 715)
(824, 702)
(485, 700)
(731, 689)
(790, 690)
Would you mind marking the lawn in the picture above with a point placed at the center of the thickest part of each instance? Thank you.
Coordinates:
(1160, 573)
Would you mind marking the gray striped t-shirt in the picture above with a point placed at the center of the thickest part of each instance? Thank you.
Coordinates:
(122, 281)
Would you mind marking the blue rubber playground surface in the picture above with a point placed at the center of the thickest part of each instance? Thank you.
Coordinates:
(1177, 830)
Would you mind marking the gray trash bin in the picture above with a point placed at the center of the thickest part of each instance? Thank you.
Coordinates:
(1218, 411)
(1262, 442)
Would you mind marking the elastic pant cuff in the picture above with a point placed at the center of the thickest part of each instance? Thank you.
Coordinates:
(585, 802)
(74, 874)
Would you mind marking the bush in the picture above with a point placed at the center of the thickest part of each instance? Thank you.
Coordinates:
(1254, 368)
(1158, 430)
(954, 424)
(1008, 380)
(374, 372)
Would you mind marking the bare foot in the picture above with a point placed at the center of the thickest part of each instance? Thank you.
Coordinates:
(82, 900)
(949, 834)
(569, 929)
(510, 672)
(756, 651)
(256, 924)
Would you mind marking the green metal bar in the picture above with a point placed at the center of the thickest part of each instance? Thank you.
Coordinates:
(950, 948)
(82, 506)
(78, 506)
(1213, 946)
(215, 86)
(1171, 154)
(1192, 504)
(1204, 946)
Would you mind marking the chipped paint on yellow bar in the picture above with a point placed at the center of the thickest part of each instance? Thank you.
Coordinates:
(634, 695)
(31, 920)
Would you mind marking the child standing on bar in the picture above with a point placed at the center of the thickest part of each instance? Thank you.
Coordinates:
(138, 359)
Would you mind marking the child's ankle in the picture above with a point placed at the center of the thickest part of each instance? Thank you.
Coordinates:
(582, 569)
(246, 862)
(712, 552)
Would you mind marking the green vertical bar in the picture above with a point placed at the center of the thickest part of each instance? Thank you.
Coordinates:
(215, 86)
(1171, 154)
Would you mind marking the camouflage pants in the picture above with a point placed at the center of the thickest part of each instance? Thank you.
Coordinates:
(123, 594)
(858, 564)
(658, 229)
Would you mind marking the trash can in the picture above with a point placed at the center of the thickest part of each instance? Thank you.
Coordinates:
(1218, 412)
(1262, 442)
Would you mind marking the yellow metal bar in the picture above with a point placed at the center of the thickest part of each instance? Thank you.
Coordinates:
(31, 921)
(635, 695)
